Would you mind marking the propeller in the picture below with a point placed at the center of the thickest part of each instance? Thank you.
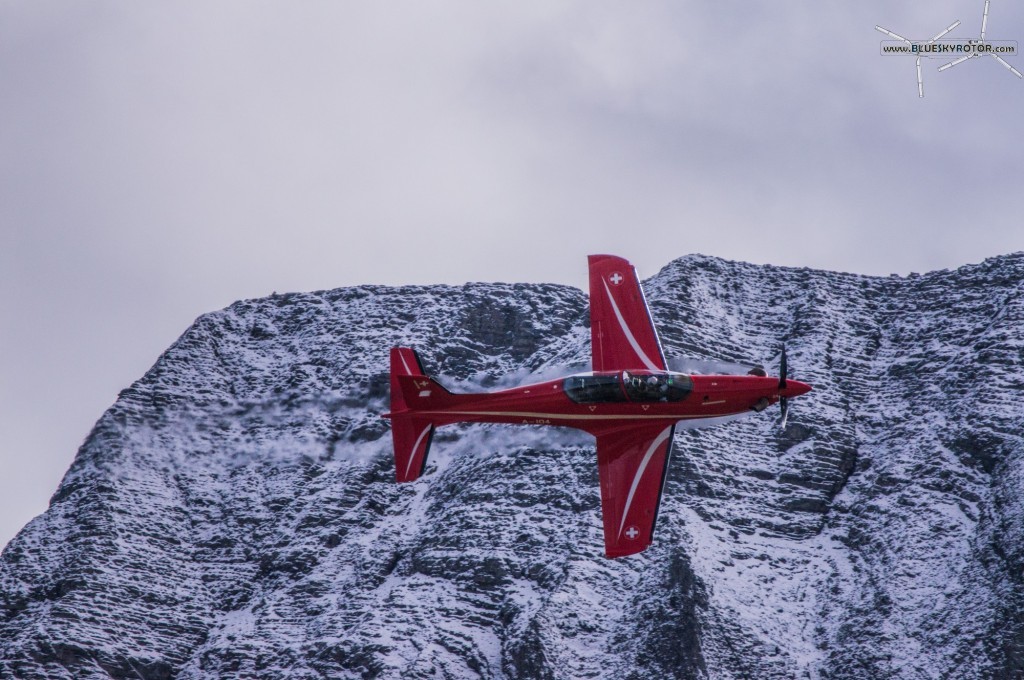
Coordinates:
(1004, 63)
(784, 401)
(897, 36)
(955, 62)
(981, 41)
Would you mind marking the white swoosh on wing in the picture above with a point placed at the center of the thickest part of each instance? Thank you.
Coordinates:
(629, 335)
(659, 440)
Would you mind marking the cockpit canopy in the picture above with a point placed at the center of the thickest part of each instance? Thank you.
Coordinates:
(656, 386)
(637, 386)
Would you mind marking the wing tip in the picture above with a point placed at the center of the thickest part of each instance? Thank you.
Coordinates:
(616, 551)
(601, 257)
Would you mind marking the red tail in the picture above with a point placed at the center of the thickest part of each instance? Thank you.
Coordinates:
(404, 361)
(411, 434)
(416, 404)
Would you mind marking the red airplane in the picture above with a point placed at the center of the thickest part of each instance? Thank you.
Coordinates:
(630, 402)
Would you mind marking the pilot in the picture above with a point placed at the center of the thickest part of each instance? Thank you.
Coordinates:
(661, 389)
(643, 389)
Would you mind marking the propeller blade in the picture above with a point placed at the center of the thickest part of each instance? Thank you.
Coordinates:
(1003, 62)
(984, 20)
(894, 35)
(954, 63)
(920, 83)
(782, 369)
(948, 29)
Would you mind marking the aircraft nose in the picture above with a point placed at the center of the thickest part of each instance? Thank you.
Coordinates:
(794, 388)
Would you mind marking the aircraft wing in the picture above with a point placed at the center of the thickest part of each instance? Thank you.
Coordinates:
(632, 462)
(621, 332)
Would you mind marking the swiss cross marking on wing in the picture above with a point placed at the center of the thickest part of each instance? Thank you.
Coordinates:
(632, 533)
(615, 278)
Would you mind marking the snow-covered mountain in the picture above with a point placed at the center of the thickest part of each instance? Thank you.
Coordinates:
(234, 514)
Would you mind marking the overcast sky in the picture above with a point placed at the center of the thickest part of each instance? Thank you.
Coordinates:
(159, 160)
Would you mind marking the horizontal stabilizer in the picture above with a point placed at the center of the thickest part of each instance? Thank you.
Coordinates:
(411, 437)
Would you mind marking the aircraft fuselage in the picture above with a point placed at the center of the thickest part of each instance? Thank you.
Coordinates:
(630, 403)
(549, 403)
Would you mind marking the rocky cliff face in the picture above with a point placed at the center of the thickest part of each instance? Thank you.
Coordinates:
(233, 515)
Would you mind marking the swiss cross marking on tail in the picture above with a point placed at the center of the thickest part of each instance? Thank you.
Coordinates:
(615, 278)
(632, 533)
(420, 384)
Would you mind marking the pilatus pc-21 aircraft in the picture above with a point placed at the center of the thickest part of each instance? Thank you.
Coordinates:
(630, 402)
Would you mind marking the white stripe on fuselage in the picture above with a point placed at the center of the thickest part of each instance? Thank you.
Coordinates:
(565, 416)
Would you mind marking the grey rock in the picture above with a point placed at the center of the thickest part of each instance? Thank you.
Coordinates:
(234, 515)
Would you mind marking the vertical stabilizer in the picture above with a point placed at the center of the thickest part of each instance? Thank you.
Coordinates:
(404, 361)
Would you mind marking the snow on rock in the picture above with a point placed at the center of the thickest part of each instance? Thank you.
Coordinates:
(234, 514)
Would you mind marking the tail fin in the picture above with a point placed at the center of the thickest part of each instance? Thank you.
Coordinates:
(417, 402)
(404, 361)
(413, 397)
